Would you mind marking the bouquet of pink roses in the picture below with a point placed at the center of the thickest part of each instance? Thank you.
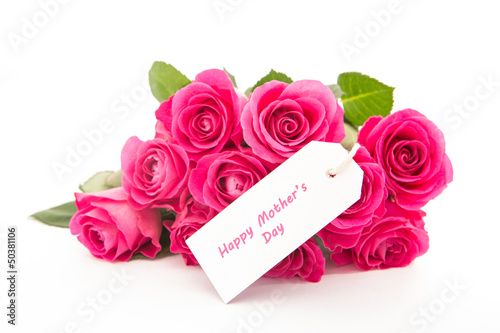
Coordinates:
(214, 142)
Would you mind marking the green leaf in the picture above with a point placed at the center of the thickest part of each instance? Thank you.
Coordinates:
(57, 216)
(167, 214)
(324, 250)
(97, 182)
(248, 91)
(114, 179)
(231, 76)
(351, 136)
(273, 75)
(337, 91)
(364, 97)
(165, 80)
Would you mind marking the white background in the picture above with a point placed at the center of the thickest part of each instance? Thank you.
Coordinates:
(89, 58)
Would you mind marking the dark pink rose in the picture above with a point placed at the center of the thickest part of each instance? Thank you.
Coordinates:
(307, 262)
(411, 150)
(192, 217)
(111, 229)
(281, 118)
(394, 240)
(345, 230)
(221, 178)
(154, 172)
(203, 117)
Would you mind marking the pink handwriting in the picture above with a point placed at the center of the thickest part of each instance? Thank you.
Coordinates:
(235, 244)
(282, 204)
(268, 235)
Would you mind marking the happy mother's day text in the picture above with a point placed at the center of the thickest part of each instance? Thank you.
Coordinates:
(266, 215)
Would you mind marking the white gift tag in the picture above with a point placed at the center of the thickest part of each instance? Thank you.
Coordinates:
(275, 217)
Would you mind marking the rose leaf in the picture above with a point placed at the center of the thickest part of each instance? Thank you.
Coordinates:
(231, 76)
(57, 216)
(114, 179)
(337, 91)
(165, 80)
(351, 136)
(100, 182)
(273, 75)
(364, 97)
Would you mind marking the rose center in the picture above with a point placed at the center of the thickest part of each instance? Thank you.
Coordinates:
(151, 168)
(233, 185)
(204, 123)
(97, 239)
(408, 158)
(388, 249)
(288, 126)
(394, 247)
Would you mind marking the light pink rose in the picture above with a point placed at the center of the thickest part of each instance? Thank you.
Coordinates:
(221, 178)
(154, 172)
(203, 117)
(192, 217)
(411, 150)
(281, 118)
(306, 262)
(111, 229)
(345, 230)
(394, 240)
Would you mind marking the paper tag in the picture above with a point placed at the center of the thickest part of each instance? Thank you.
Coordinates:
(275, 217)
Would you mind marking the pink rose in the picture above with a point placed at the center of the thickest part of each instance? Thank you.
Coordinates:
(192, 217)
(411, 150)
(203, 117)
(345, 230)
(178, 238)
(394, 240)
(221, 178)
(154, 172)
(307, 262)
(281, 118)
(111, 229)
